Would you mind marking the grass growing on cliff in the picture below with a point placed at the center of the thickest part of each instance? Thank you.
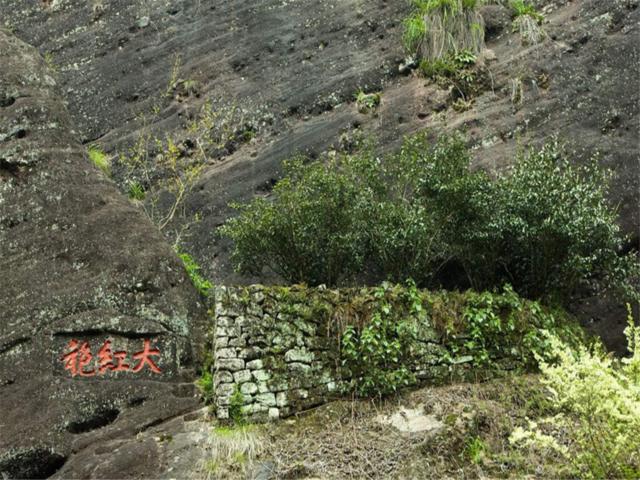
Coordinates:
(456, 72)
(100, 159)
(438, 28)
(193, 270)
(205, 385)
(528, 21)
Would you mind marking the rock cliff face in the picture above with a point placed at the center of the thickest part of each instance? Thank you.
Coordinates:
(295, 66)
(78, 264)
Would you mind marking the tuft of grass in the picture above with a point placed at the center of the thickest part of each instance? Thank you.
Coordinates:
(531, 33)
(528, 21)
(233, 450)
(475, 449)
(100, 159)
(414, 33)
(205, 385)
(136, 191)
(438, 28)
(521, 8)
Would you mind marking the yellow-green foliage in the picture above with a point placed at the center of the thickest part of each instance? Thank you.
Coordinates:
(100, 159)
(193, 270)
(597, 398)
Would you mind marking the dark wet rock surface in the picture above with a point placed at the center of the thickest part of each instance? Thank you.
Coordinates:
(78, 262)
(299, 64)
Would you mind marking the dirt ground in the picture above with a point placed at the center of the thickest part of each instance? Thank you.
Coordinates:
(456, 431)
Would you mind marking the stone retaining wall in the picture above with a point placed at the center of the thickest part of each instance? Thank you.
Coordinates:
(276, 350)
(279, 362)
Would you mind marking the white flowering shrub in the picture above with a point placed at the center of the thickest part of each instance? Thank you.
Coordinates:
(597, 427)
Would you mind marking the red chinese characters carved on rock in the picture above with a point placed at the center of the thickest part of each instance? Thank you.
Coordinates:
(79, 360)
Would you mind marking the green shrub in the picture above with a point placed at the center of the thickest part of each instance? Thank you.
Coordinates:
(453, 71)
(552, 227)
(193, 270)
(367, 102)
(597, 401)
(545, 227)
(313, 231)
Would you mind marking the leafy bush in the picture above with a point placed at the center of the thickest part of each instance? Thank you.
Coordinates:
(454, 71)
(367, 102)
(545, 227)
(315, 229)
(552, 227)
(598, 401)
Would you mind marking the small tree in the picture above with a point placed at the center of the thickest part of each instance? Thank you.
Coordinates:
(552, 227)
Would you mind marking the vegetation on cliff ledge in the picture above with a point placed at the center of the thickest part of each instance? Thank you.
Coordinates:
(545, 227)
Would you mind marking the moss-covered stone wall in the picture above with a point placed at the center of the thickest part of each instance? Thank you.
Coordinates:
(277, 350)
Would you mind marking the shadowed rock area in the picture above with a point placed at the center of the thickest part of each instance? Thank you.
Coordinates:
(78, 263)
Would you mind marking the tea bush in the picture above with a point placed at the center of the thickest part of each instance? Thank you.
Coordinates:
(545, 227)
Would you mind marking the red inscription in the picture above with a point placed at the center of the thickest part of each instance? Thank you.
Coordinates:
(144, 355)
(79, 359)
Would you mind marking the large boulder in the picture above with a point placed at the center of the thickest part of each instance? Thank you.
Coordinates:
(97, 316)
